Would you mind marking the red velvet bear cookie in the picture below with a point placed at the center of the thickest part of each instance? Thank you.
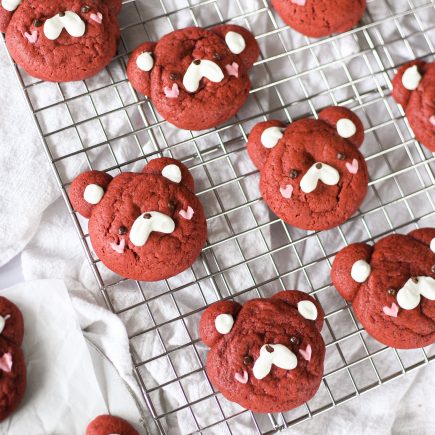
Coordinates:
(12, 364)
(110, 425)
(62, 40)
(391, 287)
(312, 173)
(414, 89)
(146, 226)
(267, 355)
(196, 78)
(318, 18)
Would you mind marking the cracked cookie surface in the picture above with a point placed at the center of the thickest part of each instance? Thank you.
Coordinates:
(312, 173)
(317, 18)
(268, 354)
(391, 287)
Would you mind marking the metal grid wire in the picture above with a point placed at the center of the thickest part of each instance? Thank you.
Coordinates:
(249, 253)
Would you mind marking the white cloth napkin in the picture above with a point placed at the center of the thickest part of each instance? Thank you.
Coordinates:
(33, 218)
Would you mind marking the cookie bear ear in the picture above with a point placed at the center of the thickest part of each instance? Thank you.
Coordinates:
(426, 236)
(240, 41)
(308, 307)
(407, 80)
(139, 67)
(171, 169)
(351, 268)
(114, 5)
(87, 190)
(263, 138)
(218, 320)
(345, 122)
(7, 9)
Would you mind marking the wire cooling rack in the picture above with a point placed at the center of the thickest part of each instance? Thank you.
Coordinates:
(103, 124)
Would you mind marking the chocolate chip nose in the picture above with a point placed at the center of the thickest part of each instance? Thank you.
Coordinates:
(319, 166)
(147, 216)
(197, 62)
(269, 349)
(61, 14)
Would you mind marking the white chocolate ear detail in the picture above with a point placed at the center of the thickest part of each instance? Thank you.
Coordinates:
(224, 323)
(235, 42)
(172, 172)
(93, 194)
(271, 136)
(360, 271)
(10, 5)
(411, 78)
(145, 61)
(432, 245)
(307, 310)
(346, 128)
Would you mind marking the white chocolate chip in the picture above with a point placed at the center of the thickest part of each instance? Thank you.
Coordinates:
(224, 323)
(360, 271)
(346, 128)
(93, 194)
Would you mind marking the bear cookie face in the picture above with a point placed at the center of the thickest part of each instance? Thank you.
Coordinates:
(12, 364)
(414, 89)
(147, 226)
(312, 174)
(317, 18)
(196, 78)
(268, 355)
(391, 286)
(61, 41)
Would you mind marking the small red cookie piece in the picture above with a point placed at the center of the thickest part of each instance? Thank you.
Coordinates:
(12, 378)
(312, 173)
(317, 18)
(146, 226)
(110, 425)
(61, 41)
(414, 89)
(267, 355)
(196, 78)
(391, 286)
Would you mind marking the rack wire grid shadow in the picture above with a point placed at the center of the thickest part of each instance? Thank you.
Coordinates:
(103, 124)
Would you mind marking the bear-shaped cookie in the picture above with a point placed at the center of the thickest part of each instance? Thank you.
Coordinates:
(268, 354)
(391, 287)
(318, 18)
(312, 174)
(414, 90)
(110, 424)
(196, 78)
(146, 226)
(12, 364)
(62, 40)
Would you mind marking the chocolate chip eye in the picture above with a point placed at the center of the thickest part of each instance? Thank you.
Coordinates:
(294, 340)
(171, 205)
(341, 156)
(248, 360)
(85, 9)
(294, 174)
(122, 230)
(37, 23)
(391, 292)
(173, 76)
(217, 56)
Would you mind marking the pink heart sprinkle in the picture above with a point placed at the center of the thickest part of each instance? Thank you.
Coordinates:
(299, 2)
(432, 120)
(242, 379)
(187, 214)
(32, 37)
(172, 93)
(233, 69)
(6, 362)
(392, 311)
(287, 191)
(118, 248)
(98, 17)
(353, 168)
(306, 354)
